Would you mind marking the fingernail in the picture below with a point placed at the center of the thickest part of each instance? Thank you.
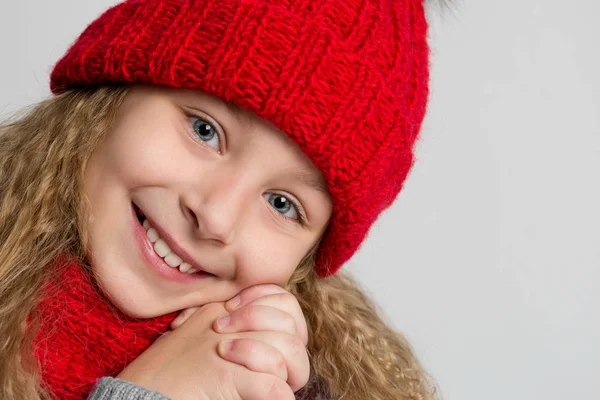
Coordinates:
(226, 346)
(177, 321)
(235, 302)
(223, 322)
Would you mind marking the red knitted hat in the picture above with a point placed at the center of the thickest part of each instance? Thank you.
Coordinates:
(347, 80)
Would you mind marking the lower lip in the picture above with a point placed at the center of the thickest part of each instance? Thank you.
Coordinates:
(155, 262)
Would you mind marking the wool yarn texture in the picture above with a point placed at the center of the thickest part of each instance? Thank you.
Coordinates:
(346, 80)
(82, 336)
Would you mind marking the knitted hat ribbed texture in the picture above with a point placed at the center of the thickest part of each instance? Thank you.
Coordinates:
(347, 80)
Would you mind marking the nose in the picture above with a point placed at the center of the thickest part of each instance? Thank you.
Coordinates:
(215, 206)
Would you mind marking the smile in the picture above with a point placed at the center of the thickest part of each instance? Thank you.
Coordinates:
(162, 249)
(162, 253)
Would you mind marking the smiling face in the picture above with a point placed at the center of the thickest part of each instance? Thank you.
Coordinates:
(219, 189)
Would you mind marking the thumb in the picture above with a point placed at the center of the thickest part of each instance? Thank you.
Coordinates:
(183, 316)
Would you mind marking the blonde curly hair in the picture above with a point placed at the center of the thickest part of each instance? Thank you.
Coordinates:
(354, 354)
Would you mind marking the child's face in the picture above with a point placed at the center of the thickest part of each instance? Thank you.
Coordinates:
(223, 200)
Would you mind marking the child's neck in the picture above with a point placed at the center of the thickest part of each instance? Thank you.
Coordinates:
(82, 337)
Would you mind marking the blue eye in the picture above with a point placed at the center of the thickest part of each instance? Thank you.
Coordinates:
(206, 132)
(283, 206)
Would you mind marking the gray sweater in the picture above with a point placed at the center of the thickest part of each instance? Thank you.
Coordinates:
(109, 388)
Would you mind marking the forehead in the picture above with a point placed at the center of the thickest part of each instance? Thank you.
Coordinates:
(242, 116)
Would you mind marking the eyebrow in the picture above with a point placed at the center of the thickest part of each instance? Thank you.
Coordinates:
(311, 180)
(242, 118)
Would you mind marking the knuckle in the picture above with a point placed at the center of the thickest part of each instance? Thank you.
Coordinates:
(295, 345)
(261, 290)
(269, 288)
(247, 347)
(274, 388)
(280, 364)
(249, 292)
(290, 322)
(290, 301)
(246, 315)
(252, 347)
(287, 296)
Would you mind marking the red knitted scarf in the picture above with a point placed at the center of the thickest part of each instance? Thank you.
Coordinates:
(82, 337)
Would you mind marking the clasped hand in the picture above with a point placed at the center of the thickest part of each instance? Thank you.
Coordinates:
(252, 347)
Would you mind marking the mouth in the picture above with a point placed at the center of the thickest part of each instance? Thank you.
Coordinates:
(163, 252)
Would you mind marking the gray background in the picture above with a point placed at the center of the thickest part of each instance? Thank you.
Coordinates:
(489, 259)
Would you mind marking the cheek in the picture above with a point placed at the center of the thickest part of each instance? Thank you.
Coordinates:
(272, 259)
(145, 167)
(145, 155)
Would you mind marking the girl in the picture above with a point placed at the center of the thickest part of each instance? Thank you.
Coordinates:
(218, 153)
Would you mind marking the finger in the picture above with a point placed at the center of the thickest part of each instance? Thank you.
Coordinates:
(183, 316)
(258, 386)
(255, 355)
(256, 318)
(252, 293)
(202, 318)
(293, 350)
(286, 302)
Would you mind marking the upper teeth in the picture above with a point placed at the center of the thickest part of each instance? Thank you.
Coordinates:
(162, 249)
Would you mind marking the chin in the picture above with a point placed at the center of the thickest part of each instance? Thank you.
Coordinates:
(135, 303)
(134, 309)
